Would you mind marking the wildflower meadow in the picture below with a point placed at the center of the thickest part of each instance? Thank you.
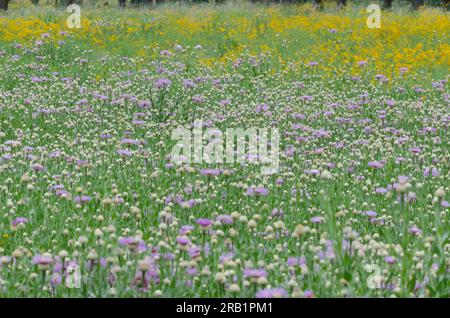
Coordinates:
(224, 150)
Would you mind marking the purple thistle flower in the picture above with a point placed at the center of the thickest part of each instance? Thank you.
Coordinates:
(186, 228)
(316, 219)
(308, 294)
(204, 223)
(414, 230)
(403, 179)
(183, 241)
(381, 190)
(210, 172)
(257, 191)
(130, 141)
(224, 219)
(376, 164)
(296, 261)
(82, 199)
(19, 220)
(194, 251)
(55, 280)
(272, 293)
(362, 63)
(37, 167)
(390, 260)
(42, 260)
(124, 153)
(133, 243)
(163, 83)
(255, 273)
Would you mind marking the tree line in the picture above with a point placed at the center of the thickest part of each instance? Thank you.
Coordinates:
(318, 4)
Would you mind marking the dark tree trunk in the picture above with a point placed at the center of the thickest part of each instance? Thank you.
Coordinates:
(318, 4)
(122, 3)
(4, 4)
(447, 4)
(341, 3)
(387, 4)
(416, 4)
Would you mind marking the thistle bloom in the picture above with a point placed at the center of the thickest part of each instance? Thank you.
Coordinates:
(362, 63)
(130, 141)
(376, 164)
(183, 241)
(204, 223)
(210, 172)
(414, 230)
(185, 229)
(82, 199)
(272, 293)
(133, 243)
(163, 83)
(255, 273)
(308, 294)
(390, 260)
(316, 219)
(224, 219)
(43, 261)
(19, 220)
(371, 214)
(194, 252)
(124, 153)
(257, 191)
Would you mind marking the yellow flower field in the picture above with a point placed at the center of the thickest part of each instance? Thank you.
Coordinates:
(337, 41)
